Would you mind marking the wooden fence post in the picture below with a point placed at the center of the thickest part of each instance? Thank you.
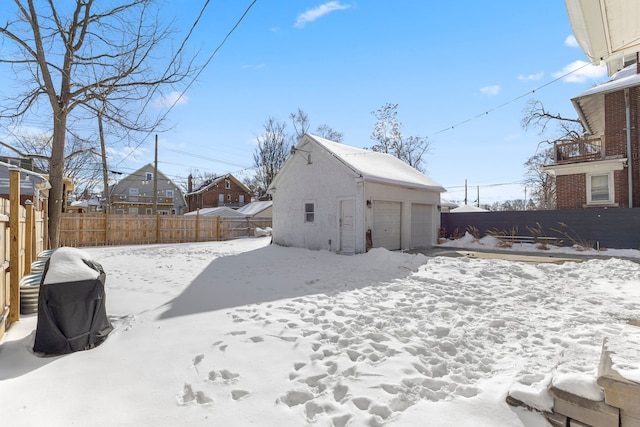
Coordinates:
(14, 248)
(29, 237)
(198, 225)
(157, 228)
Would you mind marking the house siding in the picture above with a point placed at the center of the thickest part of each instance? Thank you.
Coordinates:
(145, 190)
(571, 189)
(314, 175)
(304, 186)
(209, 197)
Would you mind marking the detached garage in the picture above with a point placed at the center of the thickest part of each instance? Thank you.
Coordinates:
(344, 199)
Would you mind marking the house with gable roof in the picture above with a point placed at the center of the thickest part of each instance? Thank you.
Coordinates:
(134, 194)
(347, 200)
(225, 190)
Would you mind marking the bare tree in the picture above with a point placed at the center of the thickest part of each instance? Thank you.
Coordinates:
(387, 133)
(301, 125)
(300, 121)
(541, 185)
(535, 116)
(72, 56)
(271, 152)
(80, 161)
(325, 131)
(555, 128)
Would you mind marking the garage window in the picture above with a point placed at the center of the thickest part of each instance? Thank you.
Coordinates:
(309, 212)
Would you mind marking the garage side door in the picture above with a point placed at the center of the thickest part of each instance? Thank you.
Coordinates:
(386, 225)
(421, 226)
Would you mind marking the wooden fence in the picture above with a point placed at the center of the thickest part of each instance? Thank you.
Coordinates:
(22, 238)
(113, 229)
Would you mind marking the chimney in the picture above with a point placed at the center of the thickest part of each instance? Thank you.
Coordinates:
(190, 183)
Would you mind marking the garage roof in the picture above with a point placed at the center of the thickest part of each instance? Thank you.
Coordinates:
(376, 167)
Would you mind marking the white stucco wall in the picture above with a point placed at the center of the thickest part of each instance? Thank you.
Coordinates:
(323, 182)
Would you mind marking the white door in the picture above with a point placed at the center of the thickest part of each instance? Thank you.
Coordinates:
(421, 226)
(386, 225)
(347, 222)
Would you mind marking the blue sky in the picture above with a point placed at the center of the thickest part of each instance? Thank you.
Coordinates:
(445, 64)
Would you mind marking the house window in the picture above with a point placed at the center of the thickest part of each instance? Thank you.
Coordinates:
(149, 211)
(133, 191)
(133, 211)
(309, 212)
(600, 188)
(148, 176)
(119, 211)
(168, 193)
(227, 184)
(228, 197)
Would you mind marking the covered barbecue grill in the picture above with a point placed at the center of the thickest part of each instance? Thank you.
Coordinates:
(71, 304)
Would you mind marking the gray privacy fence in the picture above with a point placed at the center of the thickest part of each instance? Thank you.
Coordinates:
(607, 228)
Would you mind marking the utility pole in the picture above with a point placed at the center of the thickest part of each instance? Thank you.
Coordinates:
(105, 173)
(155, 180)
(465, 192)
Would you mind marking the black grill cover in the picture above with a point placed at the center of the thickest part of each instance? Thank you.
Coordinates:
(71, 315)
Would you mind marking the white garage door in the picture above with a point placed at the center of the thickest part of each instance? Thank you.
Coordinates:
(421, 226)
(386, 225)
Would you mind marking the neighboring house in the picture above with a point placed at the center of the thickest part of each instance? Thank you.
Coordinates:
(603, 168)
(345, 199)
(224, 190)
(259, 209)
(33, 186)
(84, 206)
(134, 194)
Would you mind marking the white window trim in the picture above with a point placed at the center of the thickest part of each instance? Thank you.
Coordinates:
(304, 211)
(612, 196)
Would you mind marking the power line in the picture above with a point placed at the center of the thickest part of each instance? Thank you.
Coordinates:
(199, 71)
(511, 101)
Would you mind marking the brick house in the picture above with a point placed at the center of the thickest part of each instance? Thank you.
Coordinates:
(602, 169)
(224, 190)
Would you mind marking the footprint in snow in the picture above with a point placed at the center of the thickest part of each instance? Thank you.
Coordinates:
(189, 396)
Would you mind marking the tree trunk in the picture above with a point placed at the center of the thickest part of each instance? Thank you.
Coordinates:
(56, 175)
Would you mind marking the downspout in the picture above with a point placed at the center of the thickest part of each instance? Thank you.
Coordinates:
(627, 103)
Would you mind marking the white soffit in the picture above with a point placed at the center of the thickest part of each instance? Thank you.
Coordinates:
(606, 30)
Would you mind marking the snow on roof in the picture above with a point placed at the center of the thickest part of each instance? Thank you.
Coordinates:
(218, 211)
(254, 208)
(468, 208)
(590, 104)
(377, 167)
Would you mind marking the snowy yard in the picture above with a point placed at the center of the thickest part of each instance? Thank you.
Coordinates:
(242, 333)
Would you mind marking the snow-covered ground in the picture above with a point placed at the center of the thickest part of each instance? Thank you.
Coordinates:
(242, 333)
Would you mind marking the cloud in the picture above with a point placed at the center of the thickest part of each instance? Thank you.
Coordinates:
(531, 77)
(168, 101)
(490, 90)
(320, 11)
(581, 71)
(571, 41)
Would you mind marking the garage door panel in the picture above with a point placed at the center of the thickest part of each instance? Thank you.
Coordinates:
(386, 225)
(421, 225)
